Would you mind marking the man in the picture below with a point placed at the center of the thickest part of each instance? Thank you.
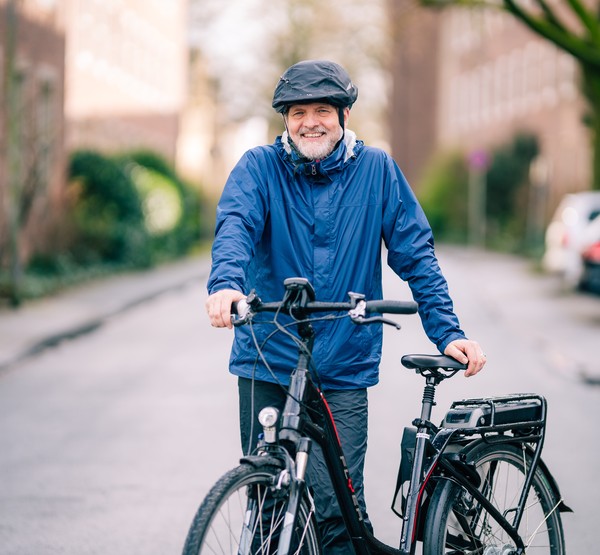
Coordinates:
(317, 204)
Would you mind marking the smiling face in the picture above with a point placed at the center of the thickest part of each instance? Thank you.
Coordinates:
(315, 128)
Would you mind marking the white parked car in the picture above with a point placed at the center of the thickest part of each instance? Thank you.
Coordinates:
(565, 235)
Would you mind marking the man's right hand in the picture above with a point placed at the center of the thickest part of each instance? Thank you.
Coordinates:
(218, 307)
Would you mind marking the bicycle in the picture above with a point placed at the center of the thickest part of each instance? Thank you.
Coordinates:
(476, 484)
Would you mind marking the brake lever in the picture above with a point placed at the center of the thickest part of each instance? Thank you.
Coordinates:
(361, 321)
(245, 309)
(243, 313)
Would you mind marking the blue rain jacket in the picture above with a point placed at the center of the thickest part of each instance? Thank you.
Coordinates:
(325, 221)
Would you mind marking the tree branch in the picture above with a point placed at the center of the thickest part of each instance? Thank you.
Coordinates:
(550, 15)
(587, 18)
(566, 40)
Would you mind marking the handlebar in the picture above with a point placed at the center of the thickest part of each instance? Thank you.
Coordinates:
(241, 308)
(357, 307)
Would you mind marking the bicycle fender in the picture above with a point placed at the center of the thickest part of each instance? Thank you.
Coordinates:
(562, 506)
(260, 461)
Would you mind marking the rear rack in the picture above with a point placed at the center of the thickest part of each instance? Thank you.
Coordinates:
(524, 412)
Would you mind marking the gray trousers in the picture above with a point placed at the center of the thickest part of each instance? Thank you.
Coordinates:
(350, 412)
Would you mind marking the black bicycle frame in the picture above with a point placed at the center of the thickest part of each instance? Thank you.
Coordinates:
(316, 422)
(307, 414)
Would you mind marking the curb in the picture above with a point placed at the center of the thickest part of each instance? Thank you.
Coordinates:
(122, 293)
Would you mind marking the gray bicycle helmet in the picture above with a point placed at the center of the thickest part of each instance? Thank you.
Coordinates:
(314, 81)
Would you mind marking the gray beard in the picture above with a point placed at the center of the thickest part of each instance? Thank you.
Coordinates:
(349, 138)
(318, 151)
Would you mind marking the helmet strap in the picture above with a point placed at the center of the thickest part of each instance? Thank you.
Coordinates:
(341, 118)
(342, 125)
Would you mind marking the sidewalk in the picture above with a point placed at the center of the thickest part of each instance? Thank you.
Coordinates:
(44, 323)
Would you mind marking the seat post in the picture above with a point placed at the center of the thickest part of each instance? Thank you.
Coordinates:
(414, 489)
(428, 397)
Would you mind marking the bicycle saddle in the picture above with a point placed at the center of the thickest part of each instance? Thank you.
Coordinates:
(432, 362)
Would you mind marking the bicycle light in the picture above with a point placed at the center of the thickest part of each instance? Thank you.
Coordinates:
(268, 418)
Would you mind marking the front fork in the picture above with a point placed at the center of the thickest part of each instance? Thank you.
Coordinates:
(297, 486)
(293, 477)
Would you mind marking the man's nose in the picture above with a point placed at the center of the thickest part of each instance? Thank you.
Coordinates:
(311, 120)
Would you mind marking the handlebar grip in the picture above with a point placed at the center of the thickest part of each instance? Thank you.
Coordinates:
(392, 307)
(240, 308)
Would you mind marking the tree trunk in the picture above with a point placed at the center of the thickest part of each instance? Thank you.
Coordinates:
(13, 153)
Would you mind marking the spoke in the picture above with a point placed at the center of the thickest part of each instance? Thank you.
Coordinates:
(304, 530)
(544, 521)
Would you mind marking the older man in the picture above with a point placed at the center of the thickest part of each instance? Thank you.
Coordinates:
(318, 203)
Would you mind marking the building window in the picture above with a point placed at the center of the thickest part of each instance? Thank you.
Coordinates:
(487, 93)
(500, 87)
(532, 64)
(548, 76)
(567, 76)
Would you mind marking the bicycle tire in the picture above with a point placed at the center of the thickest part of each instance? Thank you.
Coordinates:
(226, 521)
(457, 524)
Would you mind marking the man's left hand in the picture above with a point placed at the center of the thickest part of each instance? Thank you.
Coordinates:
(467, 351)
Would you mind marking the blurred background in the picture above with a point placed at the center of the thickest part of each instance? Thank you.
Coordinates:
(121, 119)
(119, 123)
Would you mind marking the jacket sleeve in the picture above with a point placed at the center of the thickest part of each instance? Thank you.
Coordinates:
(240, 220)
(411, 255)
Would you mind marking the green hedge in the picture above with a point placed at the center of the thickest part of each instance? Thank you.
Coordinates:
(131, 209)
(172, 208)
(126, 212)
(107, 213)
(507, 186)
(443, 196)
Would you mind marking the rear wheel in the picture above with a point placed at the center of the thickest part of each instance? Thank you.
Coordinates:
(457, 524)
(243, 514)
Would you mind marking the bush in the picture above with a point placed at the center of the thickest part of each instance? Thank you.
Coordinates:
(131, 209)
(107, 214)
(172, 208)
(443, 196)
(507, 183)
(126, 212)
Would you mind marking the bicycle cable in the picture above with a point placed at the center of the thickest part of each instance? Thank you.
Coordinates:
(282, 328)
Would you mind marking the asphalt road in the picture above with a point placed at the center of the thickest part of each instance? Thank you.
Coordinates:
(109, 442)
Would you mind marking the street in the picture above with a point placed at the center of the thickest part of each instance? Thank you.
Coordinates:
(110, 441)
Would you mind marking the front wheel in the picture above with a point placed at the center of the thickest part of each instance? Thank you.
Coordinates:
(243, 514)
(457, 524)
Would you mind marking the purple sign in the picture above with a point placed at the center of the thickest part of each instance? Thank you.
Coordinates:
(478, 159)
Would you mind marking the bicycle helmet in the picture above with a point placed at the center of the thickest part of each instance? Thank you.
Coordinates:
(314, 81)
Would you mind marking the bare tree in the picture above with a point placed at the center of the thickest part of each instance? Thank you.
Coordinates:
(29, 146)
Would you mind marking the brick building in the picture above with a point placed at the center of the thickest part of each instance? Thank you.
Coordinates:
(473, 79)
(107, 75)
(415, 85)
(32, 155)
(126, 74)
